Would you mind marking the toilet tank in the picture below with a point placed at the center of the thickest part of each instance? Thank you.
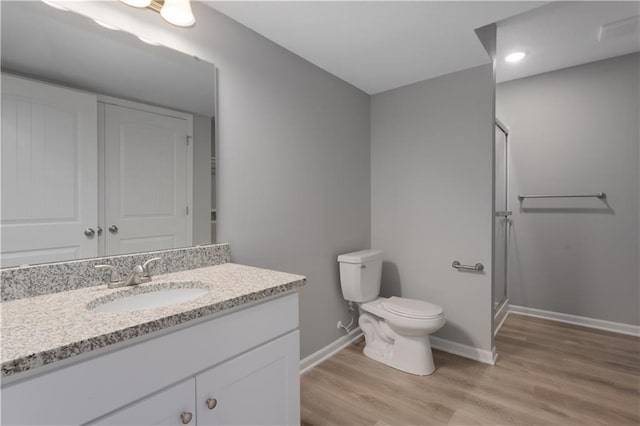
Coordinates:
(360, 275)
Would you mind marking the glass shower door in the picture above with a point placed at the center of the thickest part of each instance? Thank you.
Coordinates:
(501, 218)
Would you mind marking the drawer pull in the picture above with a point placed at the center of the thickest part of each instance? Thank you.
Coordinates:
(186, 417)
(211, 403)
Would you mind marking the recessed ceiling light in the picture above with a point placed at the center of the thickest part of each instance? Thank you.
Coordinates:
(105, 25)
(146, 40)
(515, 56)
(55, 5)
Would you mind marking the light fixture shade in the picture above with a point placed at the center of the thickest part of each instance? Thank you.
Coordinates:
(178, 12)
(137, 3)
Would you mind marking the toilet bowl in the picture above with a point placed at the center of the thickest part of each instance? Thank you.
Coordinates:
(397, 332)
(396, 329)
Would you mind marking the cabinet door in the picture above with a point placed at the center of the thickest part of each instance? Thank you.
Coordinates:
(172, 406)
(261, 387)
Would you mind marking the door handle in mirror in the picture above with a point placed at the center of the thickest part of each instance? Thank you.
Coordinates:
(186, 417)
(211, 403)
(89, 232)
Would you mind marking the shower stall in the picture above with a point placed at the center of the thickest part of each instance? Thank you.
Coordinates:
(502, 222)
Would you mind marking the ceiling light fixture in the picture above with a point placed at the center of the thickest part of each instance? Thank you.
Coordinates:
(176, 12)
(105, 25)
(515, 56)
(55, 5)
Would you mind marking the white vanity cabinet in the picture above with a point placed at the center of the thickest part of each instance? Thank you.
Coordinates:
(256, 388)
(246, 360)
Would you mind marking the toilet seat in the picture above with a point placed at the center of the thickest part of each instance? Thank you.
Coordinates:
(412, 308)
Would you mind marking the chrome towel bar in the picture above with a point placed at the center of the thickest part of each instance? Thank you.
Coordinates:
(460, 267)
(600, 195)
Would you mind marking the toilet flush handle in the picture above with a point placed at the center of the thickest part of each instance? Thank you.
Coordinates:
(363, 266)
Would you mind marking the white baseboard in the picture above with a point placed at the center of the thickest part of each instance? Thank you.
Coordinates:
(332, 348)
(501, 316)
(616, 327)
(476, 354)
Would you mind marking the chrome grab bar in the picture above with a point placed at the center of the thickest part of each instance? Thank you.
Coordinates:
(600, 195)
(460, 267)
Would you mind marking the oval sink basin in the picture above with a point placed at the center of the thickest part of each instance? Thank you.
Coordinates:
(150, 300)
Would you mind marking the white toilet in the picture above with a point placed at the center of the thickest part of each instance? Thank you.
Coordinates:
(396, 330)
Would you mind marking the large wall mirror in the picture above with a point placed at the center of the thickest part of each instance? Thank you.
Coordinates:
(108, 141)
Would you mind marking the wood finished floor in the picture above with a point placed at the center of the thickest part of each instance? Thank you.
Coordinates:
(547, 373)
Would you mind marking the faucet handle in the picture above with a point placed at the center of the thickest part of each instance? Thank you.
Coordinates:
(114, 276)
(145, 266)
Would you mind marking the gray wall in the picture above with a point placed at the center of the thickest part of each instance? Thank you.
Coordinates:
(294, 170)
(575, 131)
(431, 200)
(293, 160)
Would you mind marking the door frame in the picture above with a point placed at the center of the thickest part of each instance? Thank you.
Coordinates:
(502, 309)
(110, 100)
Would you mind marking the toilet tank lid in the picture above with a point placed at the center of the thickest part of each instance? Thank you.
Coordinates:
(362, 256)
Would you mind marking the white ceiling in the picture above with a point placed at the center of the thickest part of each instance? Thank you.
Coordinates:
(377, 46)
(563, 34)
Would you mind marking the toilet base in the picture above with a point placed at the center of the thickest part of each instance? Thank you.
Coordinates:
(418, 362)
(411, 354)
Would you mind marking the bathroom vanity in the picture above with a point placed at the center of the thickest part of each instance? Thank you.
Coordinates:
(227, 356)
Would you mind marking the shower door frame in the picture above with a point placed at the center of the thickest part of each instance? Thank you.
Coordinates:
(505, 296)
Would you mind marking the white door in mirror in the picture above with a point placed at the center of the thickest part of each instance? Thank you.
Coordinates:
(146, 181)
(49, 156)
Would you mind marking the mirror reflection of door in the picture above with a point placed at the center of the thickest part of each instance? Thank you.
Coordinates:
(147, 186)
(49, 177)
(83, 177)
(71, 177)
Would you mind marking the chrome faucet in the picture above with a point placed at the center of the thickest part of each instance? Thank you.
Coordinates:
(139, 274)
(114, 277)
(136, 276)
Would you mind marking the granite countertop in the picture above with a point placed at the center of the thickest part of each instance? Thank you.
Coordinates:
(40, 330)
